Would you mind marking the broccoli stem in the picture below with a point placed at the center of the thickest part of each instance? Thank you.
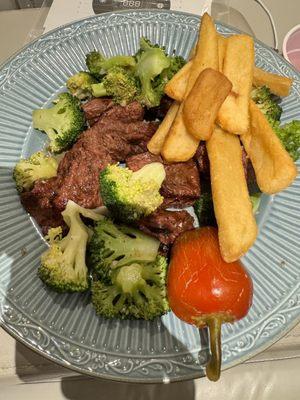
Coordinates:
(118, 61)
(98, 90)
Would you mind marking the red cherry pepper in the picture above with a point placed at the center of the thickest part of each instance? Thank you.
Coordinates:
(204, 290)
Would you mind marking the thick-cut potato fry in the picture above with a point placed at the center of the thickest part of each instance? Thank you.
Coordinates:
(238, 67)
(180, 145)
(176, 87)
(222, 44)
(157, 141)
(202, 105)
(232, 205)
(279, 85)
(273, 166)
(206, 55)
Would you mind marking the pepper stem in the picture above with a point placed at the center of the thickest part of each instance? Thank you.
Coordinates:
(213, 367)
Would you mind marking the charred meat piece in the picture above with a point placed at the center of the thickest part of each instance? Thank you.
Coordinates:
(80, 179)
(166, 225)
(120, 131)
(159, 112)
(38, 203)
(181, 187)
(94, 108)
(201, 157)
(105, 109)
(139, 161)
(131, 113)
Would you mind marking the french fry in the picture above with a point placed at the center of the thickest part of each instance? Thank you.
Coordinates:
(201, 107)
(222, 44)
(273, 166)
(176, 87)
(232, 205)
(279, 85)
(179, 144)
(238, 67)
(206, 55)
(156, 143)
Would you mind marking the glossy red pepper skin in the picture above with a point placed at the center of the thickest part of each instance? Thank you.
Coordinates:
(203, 289)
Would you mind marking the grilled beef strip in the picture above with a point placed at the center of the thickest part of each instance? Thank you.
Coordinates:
(120, 131)
(166, 225)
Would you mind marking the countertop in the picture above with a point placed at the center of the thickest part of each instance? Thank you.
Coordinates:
(273, 374)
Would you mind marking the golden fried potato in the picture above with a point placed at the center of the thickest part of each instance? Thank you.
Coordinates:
(222, 44)
(273, 166)
(238, 67)
(279, 85)
(179, 145)
(157, 141)
(232, 205)
(176, 87)
(202, 105)
(206, 55)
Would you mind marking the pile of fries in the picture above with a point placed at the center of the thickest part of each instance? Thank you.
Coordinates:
(212, 103)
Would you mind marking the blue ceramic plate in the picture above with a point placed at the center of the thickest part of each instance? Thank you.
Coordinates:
(64, 328)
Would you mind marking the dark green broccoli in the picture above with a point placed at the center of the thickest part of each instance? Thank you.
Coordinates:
(204, 210)
(118, 83)
(176, 63)
(62, 123)
(131, 195)
(98, 65)
(289, 134)
(137, 290)
(80, 85)
(38, 166)
(112, 246)
(151, 62)
(63, 266)
(267, 102)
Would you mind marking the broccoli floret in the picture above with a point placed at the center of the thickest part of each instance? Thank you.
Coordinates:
(99, 65)
(176, 63)
(80, 84)
(63, 266)
(38, 166)
(204, 210)
(112, 246)
(62, 123)
(131, 195)
(289, 134)
(146, 44)
(118, 83)
(267, 102)
(151, 62)
(255, 201)
(136, 291)
(154, 69)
